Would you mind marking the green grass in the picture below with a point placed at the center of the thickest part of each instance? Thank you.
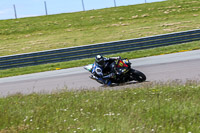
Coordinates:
(149, 108)
(167, 108)
(97, 26)
(77, 63)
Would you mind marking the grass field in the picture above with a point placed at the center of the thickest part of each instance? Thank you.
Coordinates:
(97, 26)
(150, 108)
(142, 108)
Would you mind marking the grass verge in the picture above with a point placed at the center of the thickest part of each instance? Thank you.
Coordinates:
(149, 108)
(77, 63)
(96, 26)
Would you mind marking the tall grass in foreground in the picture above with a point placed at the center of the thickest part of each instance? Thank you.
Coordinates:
(148, 108)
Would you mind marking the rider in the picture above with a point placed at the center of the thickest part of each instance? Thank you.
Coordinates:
(107, 68)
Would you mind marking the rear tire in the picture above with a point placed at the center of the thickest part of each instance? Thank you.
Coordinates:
(137, 75)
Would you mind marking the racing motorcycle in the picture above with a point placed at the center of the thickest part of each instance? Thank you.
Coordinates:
(124, 72)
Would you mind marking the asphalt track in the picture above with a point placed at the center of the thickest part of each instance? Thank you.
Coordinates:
(164, 68)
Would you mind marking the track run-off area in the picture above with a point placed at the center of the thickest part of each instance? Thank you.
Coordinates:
(181, 66)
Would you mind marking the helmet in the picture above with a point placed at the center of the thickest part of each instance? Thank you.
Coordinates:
(99, 60)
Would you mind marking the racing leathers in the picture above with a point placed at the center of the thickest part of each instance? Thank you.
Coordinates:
(103, 73)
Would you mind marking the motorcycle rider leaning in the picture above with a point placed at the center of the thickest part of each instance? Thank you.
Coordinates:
(105, 69)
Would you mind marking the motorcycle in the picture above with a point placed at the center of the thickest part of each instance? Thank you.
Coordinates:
(124, 72)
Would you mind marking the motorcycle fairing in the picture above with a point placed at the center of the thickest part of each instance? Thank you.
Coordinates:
(89, 67)
(122, 64)
(96, 70)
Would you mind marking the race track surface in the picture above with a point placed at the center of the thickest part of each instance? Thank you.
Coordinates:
(179, 66)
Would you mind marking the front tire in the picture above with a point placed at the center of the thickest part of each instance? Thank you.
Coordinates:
(137, 75)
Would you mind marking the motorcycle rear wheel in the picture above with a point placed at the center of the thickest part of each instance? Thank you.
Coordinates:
(137, 75)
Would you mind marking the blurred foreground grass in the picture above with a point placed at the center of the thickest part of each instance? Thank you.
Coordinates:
(147, 107)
